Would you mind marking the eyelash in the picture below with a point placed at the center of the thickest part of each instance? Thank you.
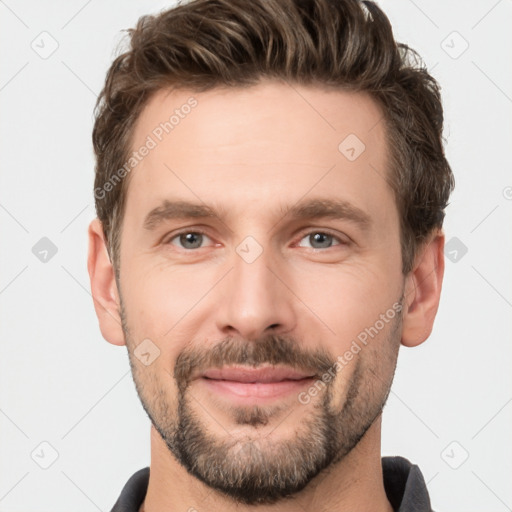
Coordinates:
(199, 231)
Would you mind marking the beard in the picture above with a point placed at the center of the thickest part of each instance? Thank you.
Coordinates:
(253, 469)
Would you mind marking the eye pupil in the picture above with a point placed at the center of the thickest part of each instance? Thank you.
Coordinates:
(194, 239)
(321, 238)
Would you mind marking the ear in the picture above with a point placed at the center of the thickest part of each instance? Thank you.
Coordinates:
(103, 286)
(423, 291)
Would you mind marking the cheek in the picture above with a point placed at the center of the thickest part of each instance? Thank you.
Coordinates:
(163, 304)
(368, 363)
(155, 297)
(347, 299)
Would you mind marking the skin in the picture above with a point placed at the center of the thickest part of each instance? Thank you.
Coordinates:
(254, 153)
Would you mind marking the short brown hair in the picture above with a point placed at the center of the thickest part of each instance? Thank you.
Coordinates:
(345, 44)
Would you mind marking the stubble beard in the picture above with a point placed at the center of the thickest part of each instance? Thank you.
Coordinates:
(256, 469)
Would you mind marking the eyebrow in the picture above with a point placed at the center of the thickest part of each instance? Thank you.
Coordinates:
(303, 210)
(169, 210)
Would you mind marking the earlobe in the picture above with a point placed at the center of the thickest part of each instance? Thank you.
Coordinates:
(423, 291)
(103, 286)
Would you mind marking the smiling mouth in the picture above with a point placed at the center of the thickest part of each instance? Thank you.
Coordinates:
(250, 384)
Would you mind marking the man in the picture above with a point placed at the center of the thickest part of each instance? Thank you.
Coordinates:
(270, 188)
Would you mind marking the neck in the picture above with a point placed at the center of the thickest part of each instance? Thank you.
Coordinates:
(355, 483)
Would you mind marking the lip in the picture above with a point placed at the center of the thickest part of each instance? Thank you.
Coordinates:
(255, 384)
(263, 375)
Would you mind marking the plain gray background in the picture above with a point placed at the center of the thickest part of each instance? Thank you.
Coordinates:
(450, 409)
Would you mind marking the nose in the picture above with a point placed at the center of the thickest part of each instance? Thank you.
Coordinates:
(255, 300)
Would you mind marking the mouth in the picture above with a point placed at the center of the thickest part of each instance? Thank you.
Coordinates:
(248, 384)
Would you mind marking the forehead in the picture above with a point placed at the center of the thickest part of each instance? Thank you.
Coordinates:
(228, 116)
(259, 144)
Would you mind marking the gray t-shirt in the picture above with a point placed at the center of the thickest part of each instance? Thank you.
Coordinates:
(403, 482)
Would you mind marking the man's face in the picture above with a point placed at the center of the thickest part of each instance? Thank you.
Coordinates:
(250, 311)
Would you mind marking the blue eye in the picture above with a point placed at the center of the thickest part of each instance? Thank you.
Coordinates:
(189, 239)
(321, 240)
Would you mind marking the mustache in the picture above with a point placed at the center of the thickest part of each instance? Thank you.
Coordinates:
(272, 349)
